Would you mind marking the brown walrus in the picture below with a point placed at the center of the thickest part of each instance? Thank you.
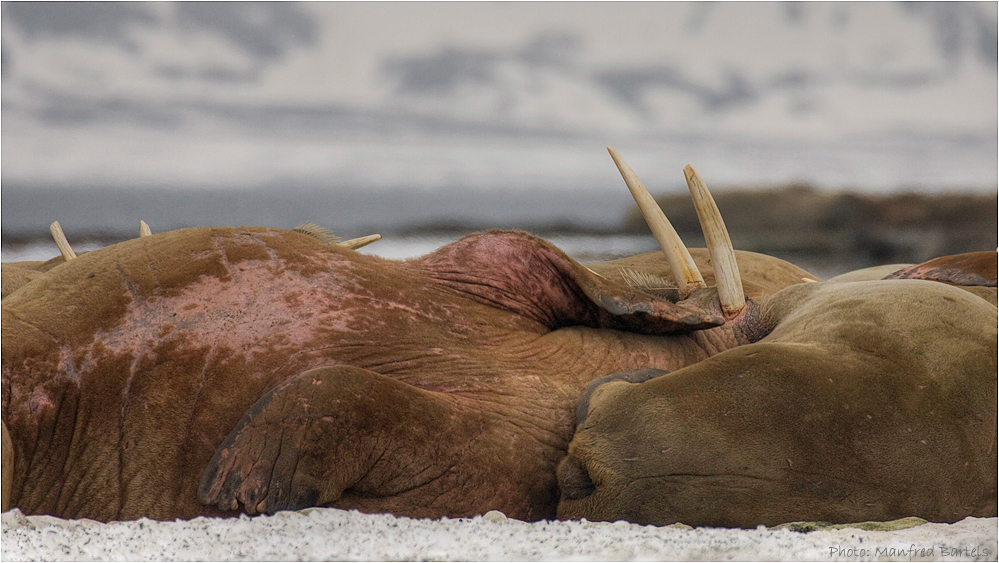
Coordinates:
(215, 371)
(868, 400)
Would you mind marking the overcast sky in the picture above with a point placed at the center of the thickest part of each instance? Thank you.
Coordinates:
(221, 94)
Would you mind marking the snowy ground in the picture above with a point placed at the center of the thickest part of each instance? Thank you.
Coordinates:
(330, 534)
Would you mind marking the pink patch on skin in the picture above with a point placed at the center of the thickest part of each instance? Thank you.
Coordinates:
(268, 308)
(67, 363)
(39, 400)
(266, 315)
(247, 312)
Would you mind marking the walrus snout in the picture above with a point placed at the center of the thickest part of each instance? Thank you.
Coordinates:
(828, 419)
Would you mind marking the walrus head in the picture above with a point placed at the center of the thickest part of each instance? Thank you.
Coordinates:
(869, 400)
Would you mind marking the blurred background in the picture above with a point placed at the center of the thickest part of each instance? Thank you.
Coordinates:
(837, 135)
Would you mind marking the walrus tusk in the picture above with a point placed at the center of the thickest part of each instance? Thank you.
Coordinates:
(144, 230)
(60, 239)
(359, 242)
(681, 265)
(727, 277)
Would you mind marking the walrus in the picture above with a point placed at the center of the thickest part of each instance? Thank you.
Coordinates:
(228, 370)
(866, 400)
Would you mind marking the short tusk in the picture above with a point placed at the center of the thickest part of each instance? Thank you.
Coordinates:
(60, 239)
(727, 277)
(359, 242)
(681, 265)
(144, 230)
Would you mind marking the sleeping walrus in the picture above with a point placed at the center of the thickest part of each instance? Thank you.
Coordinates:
(219, 371)
(867, 400)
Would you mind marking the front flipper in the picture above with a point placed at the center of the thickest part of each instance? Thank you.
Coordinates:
(969, 269)
(328, 430)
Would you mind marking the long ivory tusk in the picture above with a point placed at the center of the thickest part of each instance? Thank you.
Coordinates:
(681, 265)
(60, 239)
(727, 277)
(359, 242)
(144, 230)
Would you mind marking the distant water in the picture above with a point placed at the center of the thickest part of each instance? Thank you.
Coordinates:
(584, 248)
(29, 212)
(412, 222)
(584, 222)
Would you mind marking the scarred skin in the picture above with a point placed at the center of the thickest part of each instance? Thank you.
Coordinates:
(214, 371)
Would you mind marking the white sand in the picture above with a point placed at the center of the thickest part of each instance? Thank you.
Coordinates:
(329, 534)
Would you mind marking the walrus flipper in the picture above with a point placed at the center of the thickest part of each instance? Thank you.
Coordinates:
(970, 269)
(323, 432)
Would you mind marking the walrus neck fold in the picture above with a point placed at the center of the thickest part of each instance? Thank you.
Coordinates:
(525, 275)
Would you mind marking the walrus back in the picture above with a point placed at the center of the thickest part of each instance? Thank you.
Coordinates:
(142, 349)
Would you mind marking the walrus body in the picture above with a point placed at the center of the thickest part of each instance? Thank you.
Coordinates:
(869, 400)
(223, 370)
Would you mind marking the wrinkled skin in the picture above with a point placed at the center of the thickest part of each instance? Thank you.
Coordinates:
(216, 371)
(762, 275)
(867, 400)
